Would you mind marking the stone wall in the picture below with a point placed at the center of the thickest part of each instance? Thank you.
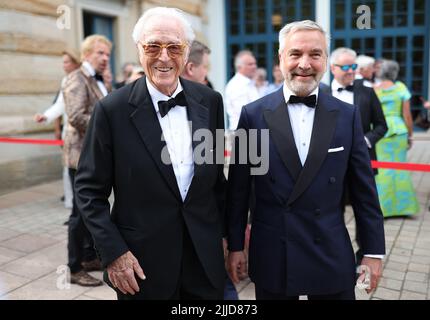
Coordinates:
(31, 46)
(30, 60)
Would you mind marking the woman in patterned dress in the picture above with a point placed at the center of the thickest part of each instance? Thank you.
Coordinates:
(396, 191)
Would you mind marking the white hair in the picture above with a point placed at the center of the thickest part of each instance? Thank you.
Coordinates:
(389, 70)
(364, 61)
(238, 59)
(299, 26)
(168, 13)
(334, 56)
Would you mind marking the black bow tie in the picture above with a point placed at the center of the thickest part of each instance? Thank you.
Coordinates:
(347, 88)
(166, 105)
(98, 77)
(310, 101)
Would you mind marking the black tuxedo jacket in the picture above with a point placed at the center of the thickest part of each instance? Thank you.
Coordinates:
(122, 150)
(372, 116)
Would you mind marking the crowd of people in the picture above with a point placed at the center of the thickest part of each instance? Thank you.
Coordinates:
(181, 230)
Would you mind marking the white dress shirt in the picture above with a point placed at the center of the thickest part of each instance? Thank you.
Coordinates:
(366, 82)
(345, 96)
(240, 90)
(58, 109)
(177, 134)
(92, 73)
(302, 120)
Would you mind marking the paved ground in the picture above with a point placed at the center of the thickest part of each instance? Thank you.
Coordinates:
(33, 245)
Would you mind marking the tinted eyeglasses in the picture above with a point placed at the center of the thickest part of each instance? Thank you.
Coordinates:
(346, 67)
(153, 50)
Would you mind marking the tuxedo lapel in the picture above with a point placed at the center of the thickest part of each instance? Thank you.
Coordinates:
(322, 134)
(278, 123)
(95, 88)
(198, 115)
(92, 84)
(146, 122)
(357, 96)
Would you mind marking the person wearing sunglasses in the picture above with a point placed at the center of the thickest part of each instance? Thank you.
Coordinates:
(343, 67)
(163, 239)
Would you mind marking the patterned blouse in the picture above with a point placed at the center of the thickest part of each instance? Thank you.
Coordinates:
(392, 99)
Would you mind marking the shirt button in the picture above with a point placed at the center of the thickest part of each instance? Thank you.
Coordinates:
(303, 120)
(332, 180)
(304, 144)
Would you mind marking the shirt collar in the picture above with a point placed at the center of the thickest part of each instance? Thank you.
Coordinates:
(240, 77)
(336, 85)
(89, 68)
(156, 95)
(288, 92)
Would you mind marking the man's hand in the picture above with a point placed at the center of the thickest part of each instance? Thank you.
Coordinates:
(39, 118)
(237, 266)
(374, 266)
(121, 273)
(426, 103)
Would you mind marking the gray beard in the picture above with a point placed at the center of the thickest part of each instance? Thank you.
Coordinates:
(303, 89)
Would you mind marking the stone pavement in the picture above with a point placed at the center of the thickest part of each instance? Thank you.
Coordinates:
(33, 243)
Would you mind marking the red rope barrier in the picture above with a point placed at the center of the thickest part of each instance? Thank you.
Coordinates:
(401, 166)
(32, 141)
(375, 164)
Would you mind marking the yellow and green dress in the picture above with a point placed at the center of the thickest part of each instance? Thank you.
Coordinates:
(396, 191)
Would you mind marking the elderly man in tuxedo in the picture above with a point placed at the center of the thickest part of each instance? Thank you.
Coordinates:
(163, 238)
(299, 242)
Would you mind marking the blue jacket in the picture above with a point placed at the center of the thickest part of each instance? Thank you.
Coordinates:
(299, 242)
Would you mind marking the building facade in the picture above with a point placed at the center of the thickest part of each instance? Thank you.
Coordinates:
(33, 34)
(395, 29)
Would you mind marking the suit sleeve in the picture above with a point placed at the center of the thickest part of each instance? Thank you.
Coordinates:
(378, 120)
(239, 180)
(93, 185)
(363, 194)
(75, 99)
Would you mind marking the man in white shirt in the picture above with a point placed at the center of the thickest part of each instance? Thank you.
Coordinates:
(241, 89)
(299, 242)
(83, 88)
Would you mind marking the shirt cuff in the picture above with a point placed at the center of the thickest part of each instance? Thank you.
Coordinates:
(376, 256)
(369, 145)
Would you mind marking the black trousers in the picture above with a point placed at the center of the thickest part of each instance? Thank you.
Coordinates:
(81, 245)
(193, 283)
(261, 294)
